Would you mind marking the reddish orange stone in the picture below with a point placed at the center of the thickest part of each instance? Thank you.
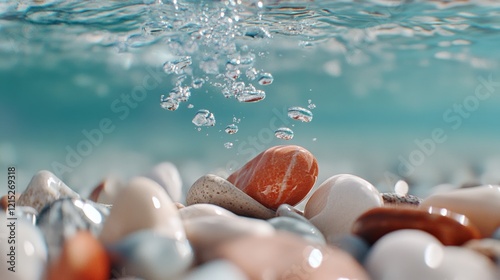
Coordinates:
(281, 174)
(83, 257)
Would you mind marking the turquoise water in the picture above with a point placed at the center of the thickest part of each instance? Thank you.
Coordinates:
(402, 89)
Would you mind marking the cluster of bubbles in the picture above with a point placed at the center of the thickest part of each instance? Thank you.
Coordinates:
(208, 52)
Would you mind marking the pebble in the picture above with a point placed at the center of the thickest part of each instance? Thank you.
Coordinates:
(480, 204)
(107, 190)
(149, 255)
(63, 218)
(487, 247)
(414, 255)
(219, 269)
(286, 256)
(286, 210)
(205, 233)
(31, 252)
(143, 204)
(338, 202)
(304, 229)
(83, 257)
(280, 174)
(43, 189)
(394, 199)
(4, 201)
(204, 210)
(357, 247)
(167, 175)
(216, 190)
(449, 228)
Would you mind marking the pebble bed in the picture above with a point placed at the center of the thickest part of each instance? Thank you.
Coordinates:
(247, 227)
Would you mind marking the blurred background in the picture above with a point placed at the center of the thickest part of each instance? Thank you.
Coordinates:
(397, 90)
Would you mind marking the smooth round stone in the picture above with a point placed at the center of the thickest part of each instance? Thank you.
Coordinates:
(204, 210)
(63, 218)
(213, 189)
(449, 228)
(220, 270)
(205, 233)
(304, 229)
(30, 251)
(286, 210)
(415, 255)
(167, 175)
(487, 247)
(107, 191)
(82, 258)
(142, 205)
(44, 188)
(4, 201)
(287, 256)
(352, 244)
(480, 204)
(280, 174)
(338, 202)
(149, 255)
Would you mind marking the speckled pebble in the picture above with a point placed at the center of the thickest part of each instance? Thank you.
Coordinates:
(393, 199)
(304, 229)
(43, 189)
(216, 190)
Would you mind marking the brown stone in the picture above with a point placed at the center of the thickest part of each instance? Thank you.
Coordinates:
(448, 227)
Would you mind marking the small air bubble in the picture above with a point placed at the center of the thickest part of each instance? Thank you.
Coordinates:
(168, 103)
(284, 133)
(231, 129)
(204, 118)
(299, 113)
(177, 66)
(228, 145)
(266, 79)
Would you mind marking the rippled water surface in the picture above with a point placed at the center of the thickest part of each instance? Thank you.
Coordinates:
(381, 89)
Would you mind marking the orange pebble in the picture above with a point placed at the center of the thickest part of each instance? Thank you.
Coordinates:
(280, 174)
(4, 201)
(82, 258)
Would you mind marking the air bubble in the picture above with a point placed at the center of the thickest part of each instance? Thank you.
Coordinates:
(204, 118)
(251, 73)
(284, 133)
(299, 113)
(177, 66)
(198, 83)
(169, 103)
(231, 129)
(228, 145)
(266, 79)
(250, 94)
